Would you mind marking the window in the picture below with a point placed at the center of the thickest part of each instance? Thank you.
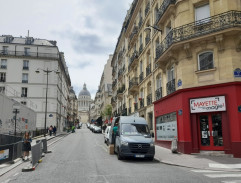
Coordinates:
(2, 77)
(26, 51)
(202, 12)
(25, 78)
(170, 74)
(2, 89)
(141, 67)
(205, 61)
(3, 64)
(24, 92)
(5, 50)
(158, 82)
(25, 65)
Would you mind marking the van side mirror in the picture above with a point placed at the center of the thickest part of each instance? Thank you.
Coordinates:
(152, 135)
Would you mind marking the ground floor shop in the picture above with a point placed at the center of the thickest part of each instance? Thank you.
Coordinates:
(206, 118)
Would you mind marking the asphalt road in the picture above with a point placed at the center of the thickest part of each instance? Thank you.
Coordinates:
(82, 157)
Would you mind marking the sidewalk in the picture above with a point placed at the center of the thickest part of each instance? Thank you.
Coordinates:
(197, 161)
(4, 168)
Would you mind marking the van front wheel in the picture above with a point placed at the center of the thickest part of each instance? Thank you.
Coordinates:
(118, 155)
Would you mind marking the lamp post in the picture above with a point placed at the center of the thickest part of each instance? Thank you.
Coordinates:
(16, 108)
(47, 71)
(148, 29)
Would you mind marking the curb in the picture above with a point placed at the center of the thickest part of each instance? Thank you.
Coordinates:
(203, 168)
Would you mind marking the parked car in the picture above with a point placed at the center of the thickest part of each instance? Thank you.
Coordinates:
(107, 135)
(133, 138)
(97, 129)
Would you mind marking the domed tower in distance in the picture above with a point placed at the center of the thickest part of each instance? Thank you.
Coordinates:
(84, 101)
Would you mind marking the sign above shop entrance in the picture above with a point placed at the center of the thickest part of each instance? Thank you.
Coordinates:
(210, 104)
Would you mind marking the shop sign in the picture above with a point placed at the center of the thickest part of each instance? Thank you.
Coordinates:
(210, 104)
(237, 73)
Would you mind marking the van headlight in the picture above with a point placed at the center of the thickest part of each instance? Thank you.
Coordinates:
(124, 143)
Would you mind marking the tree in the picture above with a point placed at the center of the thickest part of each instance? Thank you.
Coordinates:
(108, 111)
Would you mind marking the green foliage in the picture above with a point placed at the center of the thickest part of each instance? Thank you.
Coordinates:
(108, 110)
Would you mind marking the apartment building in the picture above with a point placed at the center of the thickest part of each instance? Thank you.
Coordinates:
(20, 59)
(184, 72)
(72, 108)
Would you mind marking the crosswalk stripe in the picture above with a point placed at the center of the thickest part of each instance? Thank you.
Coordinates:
(222, 175)
(232, 181)
(217, 165)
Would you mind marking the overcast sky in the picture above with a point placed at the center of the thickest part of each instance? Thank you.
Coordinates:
(85, 30)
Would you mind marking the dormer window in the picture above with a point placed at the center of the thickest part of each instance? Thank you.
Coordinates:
(8, 39)
(29, 40)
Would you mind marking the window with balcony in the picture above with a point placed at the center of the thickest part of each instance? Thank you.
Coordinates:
(3, 64)
(202, 12)
(2, 89)
(5, 50)
(2, 77)
(170, 86)
(26, 51)
(25, 65)
(158, 87)
(24, 92)
(25, 78)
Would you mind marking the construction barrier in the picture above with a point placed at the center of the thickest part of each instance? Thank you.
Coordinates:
(36, 153)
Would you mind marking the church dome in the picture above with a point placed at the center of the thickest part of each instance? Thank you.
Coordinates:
(84, 92)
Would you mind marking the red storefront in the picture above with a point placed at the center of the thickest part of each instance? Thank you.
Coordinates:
(201, 118)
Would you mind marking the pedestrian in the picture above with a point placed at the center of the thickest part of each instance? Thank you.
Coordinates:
(26, 146)
(54, 130)
(73, 129)
(50, 130)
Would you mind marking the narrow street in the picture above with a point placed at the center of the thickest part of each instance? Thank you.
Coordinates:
(83, 157)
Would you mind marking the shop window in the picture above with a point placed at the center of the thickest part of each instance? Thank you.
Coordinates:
(166, 126)
(205, 61)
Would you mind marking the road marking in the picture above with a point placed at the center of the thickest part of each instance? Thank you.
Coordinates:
(207, 171)
(15, 174)
(232, 181)
(222, 175)
(216, 165)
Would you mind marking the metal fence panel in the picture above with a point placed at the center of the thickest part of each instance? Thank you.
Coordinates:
(6, 153)
(36, 153)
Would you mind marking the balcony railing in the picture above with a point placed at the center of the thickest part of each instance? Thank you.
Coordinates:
(141, 77)
(140, 22)
(114, 83)
(2, 80)
(159, 93)
(3, 67)
(133, 82)
(149, 99)
(25, 68)
(147, 39)
(30, 54)
(171, 87)
(24, 81)
(141, 102)
(148, 70)
(147, 9)
(133, 33)
(199, 28)
(121, 89)
(163, 8)
(140, 49)
(133, 58)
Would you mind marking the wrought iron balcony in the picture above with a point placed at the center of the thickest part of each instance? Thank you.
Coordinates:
(199, 28)
(114, 83)
(121, 90)
(140, 49)
(2, 80)
(163, 9)
(140, 22)
(133, 33)
(113, 101)
(141, 102)
(141, 77)
(171, 87)
(147, 9)
(147, 39)
(25, 68)
(148, 70)
(159, 93)
(30, 54)
(3, 67)
(133, 82)
(133, 58)
(149, 99)
(24, 81)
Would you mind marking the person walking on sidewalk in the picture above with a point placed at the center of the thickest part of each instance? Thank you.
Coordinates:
(26, 145)
(54, 130)
(50, 130)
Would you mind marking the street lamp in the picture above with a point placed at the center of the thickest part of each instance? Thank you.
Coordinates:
(47, 71)
(148, 29)
(16, 108)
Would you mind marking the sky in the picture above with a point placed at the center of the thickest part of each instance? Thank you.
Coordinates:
(85, 30)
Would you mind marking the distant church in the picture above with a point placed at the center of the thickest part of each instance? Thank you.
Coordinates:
(84, 101)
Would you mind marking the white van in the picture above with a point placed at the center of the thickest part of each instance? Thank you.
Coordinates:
(107, 135)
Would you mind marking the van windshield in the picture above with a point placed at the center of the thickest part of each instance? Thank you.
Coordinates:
(135, 129)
